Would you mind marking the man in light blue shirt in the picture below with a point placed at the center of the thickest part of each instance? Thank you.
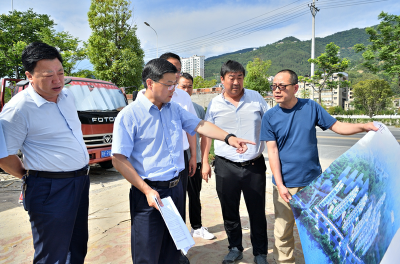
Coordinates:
(43, 123)
(239, 111)
(147, 151)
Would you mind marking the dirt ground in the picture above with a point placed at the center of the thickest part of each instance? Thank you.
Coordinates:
(109, 223)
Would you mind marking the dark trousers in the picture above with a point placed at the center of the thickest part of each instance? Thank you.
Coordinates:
(193, 190)
(58, 212)
(150, 239)
(231, 180)
(185, 179)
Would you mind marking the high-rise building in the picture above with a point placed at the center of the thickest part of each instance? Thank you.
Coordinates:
(328, 199)
(193, 65)
(355, 213)
(345, 203)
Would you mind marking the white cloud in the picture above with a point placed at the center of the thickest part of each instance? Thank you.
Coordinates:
(185, 22)
(181, 26)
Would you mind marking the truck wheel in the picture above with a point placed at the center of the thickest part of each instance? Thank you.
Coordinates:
(106, 164)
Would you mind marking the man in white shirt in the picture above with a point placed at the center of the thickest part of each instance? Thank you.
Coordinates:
(194, 185)
(43, 123)
(189, 142)
(239, 111)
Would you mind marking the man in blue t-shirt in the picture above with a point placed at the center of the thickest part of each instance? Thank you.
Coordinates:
(289, 129)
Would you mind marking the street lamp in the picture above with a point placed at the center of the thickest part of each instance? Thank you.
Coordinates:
(147, 24)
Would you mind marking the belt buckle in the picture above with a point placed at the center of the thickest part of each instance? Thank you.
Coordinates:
(245, 163)
(173, 183)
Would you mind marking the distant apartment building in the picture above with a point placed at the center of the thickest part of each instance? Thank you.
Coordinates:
(330, 98)
(193, 65)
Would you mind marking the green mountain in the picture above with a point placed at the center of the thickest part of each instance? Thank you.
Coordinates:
(292, 53)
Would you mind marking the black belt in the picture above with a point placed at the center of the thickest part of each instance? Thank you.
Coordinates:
(60, 175)
(244, 163)
(165, 184)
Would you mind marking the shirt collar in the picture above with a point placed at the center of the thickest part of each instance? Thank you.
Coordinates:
(223, 92)
(39, 101)
(146, 102)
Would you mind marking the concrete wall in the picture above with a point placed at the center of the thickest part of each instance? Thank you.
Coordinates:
(203, 99)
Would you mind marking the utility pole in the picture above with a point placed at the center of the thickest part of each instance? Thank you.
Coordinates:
(314, 11)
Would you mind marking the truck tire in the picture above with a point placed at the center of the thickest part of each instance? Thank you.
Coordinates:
(106, 164)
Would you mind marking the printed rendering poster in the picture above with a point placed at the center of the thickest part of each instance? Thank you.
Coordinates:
(351, 213)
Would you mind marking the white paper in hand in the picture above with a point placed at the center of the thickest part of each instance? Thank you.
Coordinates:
(174, 222)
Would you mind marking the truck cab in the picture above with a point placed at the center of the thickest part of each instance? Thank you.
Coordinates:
(98, 104)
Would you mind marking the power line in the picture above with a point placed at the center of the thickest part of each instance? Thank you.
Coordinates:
(246, 29)
(233, 30)
(232, 34)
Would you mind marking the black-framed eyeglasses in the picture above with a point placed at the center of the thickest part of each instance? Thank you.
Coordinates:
(282, 87)
(170, 87)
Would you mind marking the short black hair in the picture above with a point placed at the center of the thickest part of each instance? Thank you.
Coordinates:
(232, 66)
(293, 76)
(37, 51)
(187, 76)
(155, 69)
(168, 55)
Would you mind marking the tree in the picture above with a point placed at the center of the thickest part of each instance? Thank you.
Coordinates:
(199, 82)
(18, 29)
(328, 63)
(84, 74)
(304, 93)
(113, 48)
(67, 45)
(384, 52)
(256, 78)
(372, 96)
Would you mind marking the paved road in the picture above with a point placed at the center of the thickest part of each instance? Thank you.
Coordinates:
(332, 145)
(109, 215)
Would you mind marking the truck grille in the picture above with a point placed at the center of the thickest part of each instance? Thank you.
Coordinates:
(97, 140)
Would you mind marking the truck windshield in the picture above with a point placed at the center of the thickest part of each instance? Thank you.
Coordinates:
(96, 96)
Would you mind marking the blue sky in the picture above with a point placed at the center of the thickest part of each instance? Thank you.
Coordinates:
(211, 28)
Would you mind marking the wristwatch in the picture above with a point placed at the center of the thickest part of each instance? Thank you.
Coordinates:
(227, 138)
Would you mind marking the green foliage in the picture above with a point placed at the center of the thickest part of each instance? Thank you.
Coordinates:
(7, 95)
(256, 76)
(113, 48)
(358, 76)
(199, 82)
(337, 110)
(372, 96)
(327, 64)
(384, 53)
(84, 74)
(67, 45)
(293, 53)
(17, 29)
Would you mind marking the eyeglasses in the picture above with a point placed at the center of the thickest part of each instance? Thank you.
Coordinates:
(282, 87)
(170, 87)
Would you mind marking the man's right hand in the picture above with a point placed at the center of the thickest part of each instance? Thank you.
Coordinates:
(150, 194)
(284, 193)
(205, 171)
